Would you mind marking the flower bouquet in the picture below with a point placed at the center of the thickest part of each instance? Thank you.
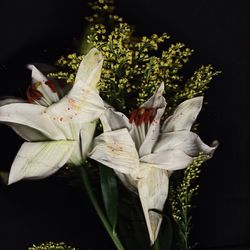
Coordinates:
(118, 118)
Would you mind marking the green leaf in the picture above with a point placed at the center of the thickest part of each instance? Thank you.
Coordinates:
(132, 227)
(109, 193)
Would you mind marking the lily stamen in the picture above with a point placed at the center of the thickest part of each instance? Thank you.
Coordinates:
(43, 92)
(150, 116)
(33, 94)
(133, 115)
(141, 115)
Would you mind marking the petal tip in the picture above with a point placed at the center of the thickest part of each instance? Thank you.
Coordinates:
(215, 144)
(30, 66)
(12, 179)
(197, 100)
(94, 52)
(161, 87)
(36, 74)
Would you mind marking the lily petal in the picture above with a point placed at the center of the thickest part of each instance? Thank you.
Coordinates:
(30, 122)
(60, 85)
(11, 99)
(36, 75)
(184, 116)
(116, 150)
(169, 160)
(76, 155)
(49, 95)
(158, 102)
(36, 160)
(153, 192)
(89, 71)
(113, 120)
(145, 134)
(128, 181)
(138, 134)
(83, 102)
(27, 133)
(86, 137)
(186, 141)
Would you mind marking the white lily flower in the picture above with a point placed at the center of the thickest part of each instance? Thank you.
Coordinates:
(143, 153)
(58, 131)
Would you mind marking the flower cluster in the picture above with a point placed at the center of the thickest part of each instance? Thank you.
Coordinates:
(135, 65)
(180, 197)
(52, 246)
(143, 150)
(145, 108)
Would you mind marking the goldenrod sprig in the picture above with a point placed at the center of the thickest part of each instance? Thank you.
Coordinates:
(180, 198)
(51, 246)
(133, 66)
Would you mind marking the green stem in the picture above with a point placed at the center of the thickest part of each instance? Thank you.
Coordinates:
(99, 211)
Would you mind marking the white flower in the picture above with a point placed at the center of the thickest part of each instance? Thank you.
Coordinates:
(143, 153)
(57, 130)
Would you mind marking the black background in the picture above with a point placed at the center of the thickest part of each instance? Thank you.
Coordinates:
(219, 32)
